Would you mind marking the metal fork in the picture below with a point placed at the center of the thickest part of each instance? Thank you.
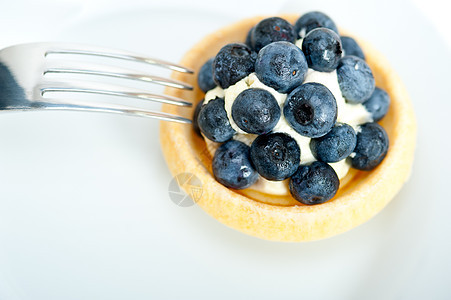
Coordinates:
(23, 83)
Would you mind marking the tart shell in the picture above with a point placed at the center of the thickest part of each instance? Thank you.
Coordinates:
(362, 197)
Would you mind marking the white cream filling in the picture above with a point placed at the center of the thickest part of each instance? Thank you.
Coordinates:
(352, 114)
(299, 42)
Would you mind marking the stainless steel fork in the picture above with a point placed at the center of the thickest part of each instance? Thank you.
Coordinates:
(23, 83)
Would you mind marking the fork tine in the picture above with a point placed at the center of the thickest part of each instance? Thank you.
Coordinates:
(107, 89)
(109, 71)
(119, 54)
(53, 104)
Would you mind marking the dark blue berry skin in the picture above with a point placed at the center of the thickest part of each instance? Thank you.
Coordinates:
(248, 41)
(271, 30)
(313, 20)
(282, 66)
(378, 104)
(276, 156)
(256, 111)
(314, 184)
(335, 145)
(371, 147)
(213, 121)
(311, 109)
(195, 115)
(355, 79)
(205, 77)
(233, 167)
(232, 63)
(322, 49)
(350, 47)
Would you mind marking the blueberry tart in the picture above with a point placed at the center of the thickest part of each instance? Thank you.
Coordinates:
(305, 130)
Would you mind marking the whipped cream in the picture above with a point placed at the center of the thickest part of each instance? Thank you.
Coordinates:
(352, 114)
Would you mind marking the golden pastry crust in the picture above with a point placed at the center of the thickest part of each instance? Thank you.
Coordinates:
(365, 194)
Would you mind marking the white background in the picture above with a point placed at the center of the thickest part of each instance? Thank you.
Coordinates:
(84, 206)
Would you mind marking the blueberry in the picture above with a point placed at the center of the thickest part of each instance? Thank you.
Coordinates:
(213, 121)
(350, 47)
(378, 104)
(205, 77)
(232, 63)
(322, 49)
(311, 109)
(336, 145)
(276, 156)
(355, 79)
(282, 66)
(313, 20)
(248, 41)
(256, 111)
(233, 167)
(272, 30)
(371, 147)
(314, 184)
(195, 115)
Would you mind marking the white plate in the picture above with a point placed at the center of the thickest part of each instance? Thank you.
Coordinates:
(85, 211)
